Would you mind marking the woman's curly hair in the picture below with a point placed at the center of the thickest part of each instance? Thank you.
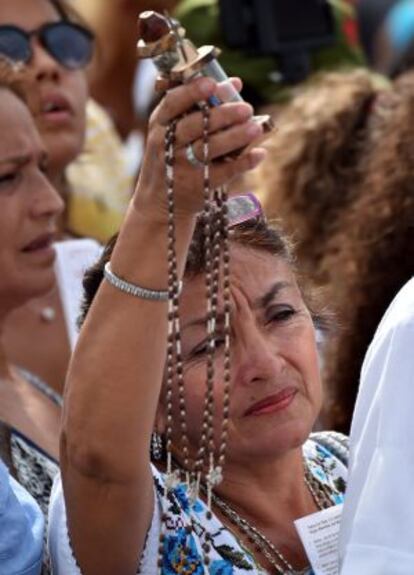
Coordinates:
(315, 158)
(372, 254)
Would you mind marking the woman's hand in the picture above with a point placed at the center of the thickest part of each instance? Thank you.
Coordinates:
(231, 128)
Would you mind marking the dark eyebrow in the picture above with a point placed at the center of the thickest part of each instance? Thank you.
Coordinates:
(265, 300)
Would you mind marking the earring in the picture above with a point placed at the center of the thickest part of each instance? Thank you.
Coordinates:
(156, 446)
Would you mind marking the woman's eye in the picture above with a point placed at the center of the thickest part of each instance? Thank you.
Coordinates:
(280, 314)
(8, 178)
(199, 350)
(202, 349)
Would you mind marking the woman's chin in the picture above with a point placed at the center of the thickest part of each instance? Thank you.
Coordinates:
(62, 150)
(270, 445)
(39, 286)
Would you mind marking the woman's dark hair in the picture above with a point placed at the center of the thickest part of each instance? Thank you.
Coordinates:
(253, 234)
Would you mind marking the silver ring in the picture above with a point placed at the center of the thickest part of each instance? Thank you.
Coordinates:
(192, 158)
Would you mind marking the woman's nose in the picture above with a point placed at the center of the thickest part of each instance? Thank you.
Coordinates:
(47, 202)
(257, 356)
(43, 65)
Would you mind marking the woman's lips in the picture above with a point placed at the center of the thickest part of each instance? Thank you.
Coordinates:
(55, 109)
(41, 247)
(272, 403)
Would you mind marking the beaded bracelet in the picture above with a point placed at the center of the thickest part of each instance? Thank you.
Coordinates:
(133, 289)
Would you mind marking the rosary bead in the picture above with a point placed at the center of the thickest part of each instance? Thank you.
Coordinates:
(216, 254)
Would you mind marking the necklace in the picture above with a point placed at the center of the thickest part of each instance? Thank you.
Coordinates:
(260, 542)
(48, 314)
(43, 307)
(318, 491)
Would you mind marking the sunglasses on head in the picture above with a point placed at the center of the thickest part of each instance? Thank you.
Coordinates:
(69, 44)
(243, 208)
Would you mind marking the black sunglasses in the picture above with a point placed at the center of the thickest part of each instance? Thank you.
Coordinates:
(69, 44)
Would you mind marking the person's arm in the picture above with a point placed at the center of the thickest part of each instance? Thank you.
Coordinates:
(115, 376)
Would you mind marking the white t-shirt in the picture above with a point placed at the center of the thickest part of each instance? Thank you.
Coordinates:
(378, 518)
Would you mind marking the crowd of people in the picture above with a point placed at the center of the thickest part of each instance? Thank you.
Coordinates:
(196, 314)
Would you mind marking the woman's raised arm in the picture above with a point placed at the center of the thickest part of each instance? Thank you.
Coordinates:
(115, 376)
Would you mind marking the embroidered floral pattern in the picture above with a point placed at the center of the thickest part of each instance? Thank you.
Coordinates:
(187, 527)
(181, 554)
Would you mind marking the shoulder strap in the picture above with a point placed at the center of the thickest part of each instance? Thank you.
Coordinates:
(336, 443)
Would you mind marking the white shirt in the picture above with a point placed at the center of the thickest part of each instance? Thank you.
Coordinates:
(73, 258)
(378, 519)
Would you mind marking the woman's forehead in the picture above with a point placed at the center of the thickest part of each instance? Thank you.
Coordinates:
(19, 135)
(257, 261)
(27, 14)
(252, 271)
